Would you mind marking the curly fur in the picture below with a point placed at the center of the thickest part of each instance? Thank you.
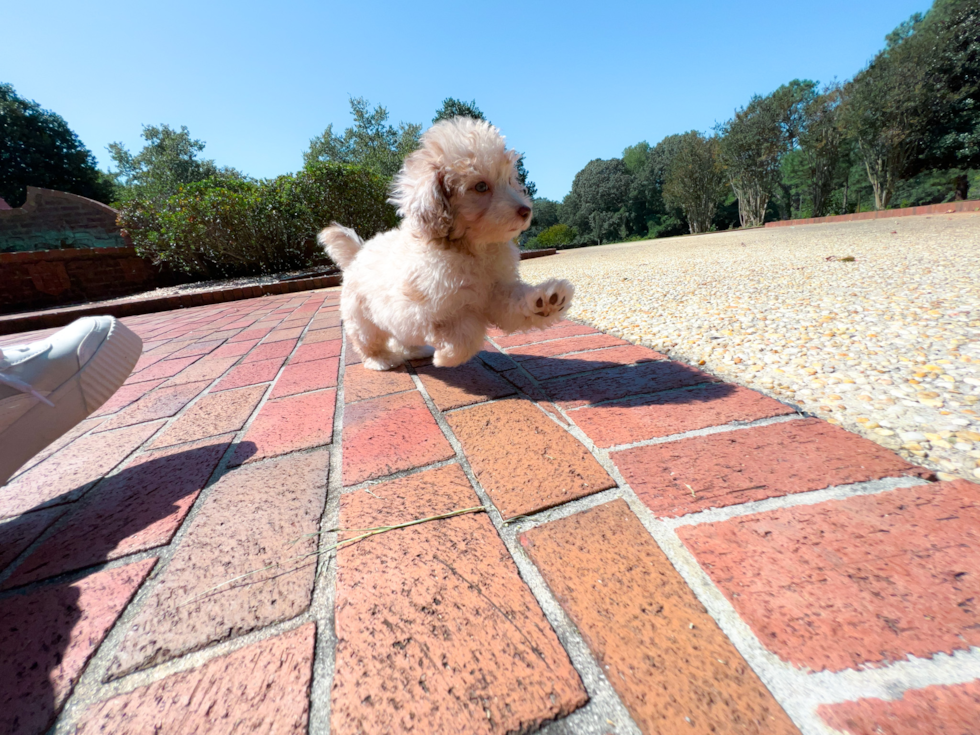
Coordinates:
(451, 268)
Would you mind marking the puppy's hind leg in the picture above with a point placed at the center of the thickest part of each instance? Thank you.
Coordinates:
(458, 342)
(370, 342)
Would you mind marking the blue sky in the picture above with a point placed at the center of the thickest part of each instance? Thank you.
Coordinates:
(565, 81)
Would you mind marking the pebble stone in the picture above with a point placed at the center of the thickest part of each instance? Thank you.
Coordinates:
(886, 345)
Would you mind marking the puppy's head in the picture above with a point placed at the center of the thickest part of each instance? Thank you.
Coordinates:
(462, 183)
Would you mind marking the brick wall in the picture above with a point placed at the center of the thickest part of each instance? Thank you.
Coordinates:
(36, 280)
(56, 219)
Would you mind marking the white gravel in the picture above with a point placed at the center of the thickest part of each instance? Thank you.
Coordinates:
(887, 345)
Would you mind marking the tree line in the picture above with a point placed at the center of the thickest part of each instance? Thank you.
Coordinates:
(37, 148)
(904, 131)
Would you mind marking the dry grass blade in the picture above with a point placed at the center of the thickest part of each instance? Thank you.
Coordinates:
(367, 533)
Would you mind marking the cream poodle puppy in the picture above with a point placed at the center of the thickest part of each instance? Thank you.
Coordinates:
(451, 268)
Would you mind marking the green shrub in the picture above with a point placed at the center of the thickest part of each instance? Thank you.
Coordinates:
(557, 236)
(220, 227)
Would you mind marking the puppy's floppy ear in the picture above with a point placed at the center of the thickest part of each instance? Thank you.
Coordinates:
(420, 193)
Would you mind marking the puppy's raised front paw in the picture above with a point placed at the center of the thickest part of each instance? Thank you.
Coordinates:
(550, 299)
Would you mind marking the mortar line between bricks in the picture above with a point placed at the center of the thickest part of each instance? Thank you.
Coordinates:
(799, 692)
(812, 497)
(90, 686)
(604, 705)
(367, 484)
(569, 354)
(187, 662)
(322, 605)
(708, 430)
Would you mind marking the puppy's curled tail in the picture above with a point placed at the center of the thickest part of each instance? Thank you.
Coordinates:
(341, 243)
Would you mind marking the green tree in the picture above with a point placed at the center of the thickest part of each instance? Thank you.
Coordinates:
(947, 44)
(752, 145)
(636, 157)
(452, 107)
(820, 137)
(169, 159)
(597, 202)
(370, 143)
(37, 148)
(695, 180)
(887, 107)
(557, 236)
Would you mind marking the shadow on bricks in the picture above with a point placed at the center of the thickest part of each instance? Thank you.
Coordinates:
(583, 382)
(49, 631)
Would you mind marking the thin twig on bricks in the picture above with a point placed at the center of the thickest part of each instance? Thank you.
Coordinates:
(368, 533)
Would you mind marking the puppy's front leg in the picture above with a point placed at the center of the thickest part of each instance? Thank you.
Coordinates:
(520, 306)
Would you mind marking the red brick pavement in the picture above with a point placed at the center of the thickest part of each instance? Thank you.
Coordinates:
(200, 506)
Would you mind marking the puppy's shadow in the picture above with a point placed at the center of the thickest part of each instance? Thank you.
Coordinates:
(577, 382)
(39, 622)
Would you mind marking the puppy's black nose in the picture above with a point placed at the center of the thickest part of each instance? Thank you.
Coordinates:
(524, 212)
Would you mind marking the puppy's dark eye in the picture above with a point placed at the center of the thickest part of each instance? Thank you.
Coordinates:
(481, 187)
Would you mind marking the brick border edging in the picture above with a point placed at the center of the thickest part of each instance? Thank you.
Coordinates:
(529, 254)
(60, 317)
(947, 208)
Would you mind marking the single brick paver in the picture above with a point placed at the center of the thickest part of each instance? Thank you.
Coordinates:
(674, 412)
(250, 521)
(560, 330)
(552, 467)
(260, 688)
(270, 351)
(391, 433)
(316, 351)
(250, 373)
(140, 507)
(127, 394)
(936, 710)
(163, 369)
(208, 369)
(213, 415)
(288, 425)
(199, 348)
(869, 579)
(278, 335)
(361, 383)
(544, 368)
(622, 382)
(19, 533)
(303, 377)
(436, 632)
(60, 443)
(519, 380)
(161, 403)
(322, 335)
(67, 474)
(49, 635)
(234, 349)
(735, 467)
(495, 359)
(462, 386)
(565, 346)
(254, 333)
(663, 654)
